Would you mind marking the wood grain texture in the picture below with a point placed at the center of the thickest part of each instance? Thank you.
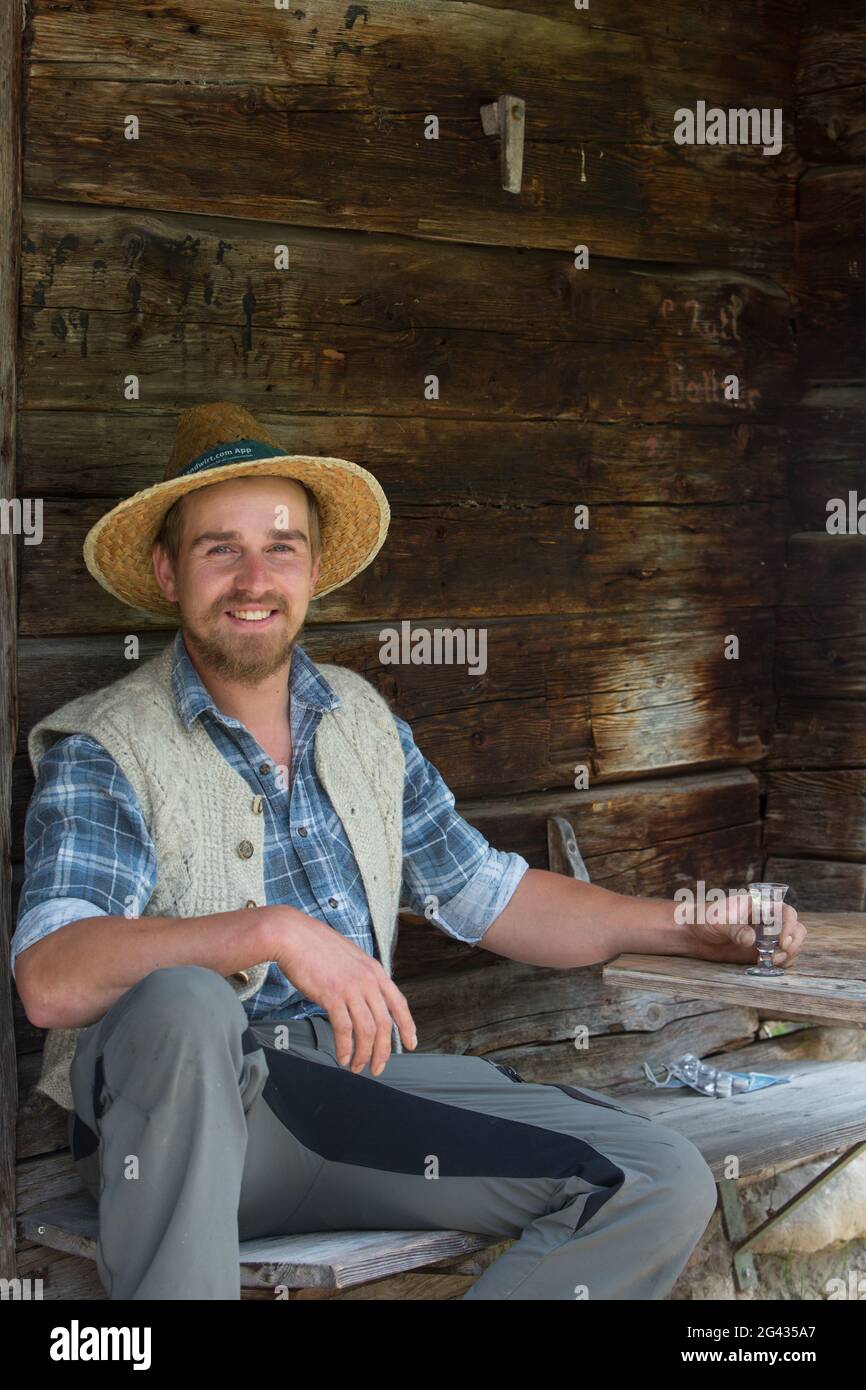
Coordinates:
(316, 150)
(826, 983)
(11, 26)
(819, 813)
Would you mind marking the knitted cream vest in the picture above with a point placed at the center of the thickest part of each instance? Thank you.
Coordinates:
(208, 827)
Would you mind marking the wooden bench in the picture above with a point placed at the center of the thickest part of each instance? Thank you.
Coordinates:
(821, 1111)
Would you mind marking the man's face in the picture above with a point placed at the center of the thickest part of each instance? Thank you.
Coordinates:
(245, 546)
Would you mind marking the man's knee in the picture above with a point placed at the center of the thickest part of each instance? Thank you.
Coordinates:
(684, 1174)
(189, 998)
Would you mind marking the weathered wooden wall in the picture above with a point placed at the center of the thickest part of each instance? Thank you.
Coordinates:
(816, 804)
(558, 387)
(10, 238)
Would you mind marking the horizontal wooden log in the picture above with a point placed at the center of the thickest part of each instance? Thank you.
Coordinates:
(477, 563)
(167, 269)
(832, 46)
(817, 733)
(618, 1059)
(831, 92)
(817, 813)
(832, 197)
(831, 305)
(651, 201)
(819, 885)
(821, 653)
(110, 455)
(814, 488)
(510, 1004)
(829, 567)
(831, 124)
(184, 301)
(773, 25)
(602, 692)
(591, 160)
(72, 359)
(827, 426)
(91, 38)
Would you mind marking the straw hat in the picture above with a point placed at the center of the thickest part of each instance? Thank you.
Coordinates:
(214, 443)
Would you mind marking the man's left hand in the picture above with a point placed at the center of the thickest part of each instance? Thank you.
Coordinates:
(727, 935)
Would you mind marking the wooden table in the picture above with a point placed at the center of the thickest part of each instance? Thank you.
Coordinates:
(825, 984)
(821, 1109)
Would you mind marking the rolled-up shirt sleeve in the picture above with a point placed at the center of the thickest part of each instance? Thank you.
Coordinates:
(451, 875)
(87, 849)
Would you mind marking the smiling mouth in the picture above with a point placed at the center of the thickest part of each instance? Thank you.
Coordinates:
(258, 617)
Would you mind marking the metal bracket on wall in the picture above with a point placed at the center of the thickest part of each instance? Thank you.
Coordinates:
(506, 117)
(563, 855)
(745, 1274)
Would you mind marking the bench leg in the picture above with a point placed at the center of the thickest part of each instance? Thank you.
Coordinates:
(745, 1275)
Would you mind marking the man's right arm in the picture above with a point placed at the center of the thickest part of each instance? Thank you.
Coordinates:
(72, 976)
(87, 846)
(90, 870)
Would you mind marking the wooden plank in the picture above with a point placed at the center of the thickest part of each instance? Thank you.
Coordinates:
(486, 564)
(832, 196)
(512, 1005)
(70, 357)
(820, 885)
(98, 40)
(327, 1260)
(821, 652)
(820, 1110)
(832, 566)
(826, 984)
(649, 201)
(830, 85)
(745, 461)
(832, 49)
(832, 274)
(11, 30)
(817, 733)
(616, 1059)
(816, 813)
(772, 25)
(306, 126)
(168, 276)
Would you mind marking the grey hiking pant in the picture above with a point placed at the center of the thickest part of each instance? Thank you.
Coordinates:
(194, 1129)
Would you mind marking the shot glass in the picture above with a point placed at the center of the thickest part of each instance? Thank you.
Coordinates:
(767, 901)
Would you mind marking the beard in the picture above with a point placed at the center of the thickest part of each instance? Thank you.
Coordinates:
(228, 652)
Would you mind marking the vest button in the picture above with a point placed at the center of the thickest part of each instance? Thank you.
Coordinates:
(332, 902)
(264, 768)
(245, 849)
(302, 830)
(251, 902)
(257, 805)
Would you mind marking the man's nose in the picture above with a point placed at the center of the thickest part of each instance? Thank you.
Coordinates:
(253, 572)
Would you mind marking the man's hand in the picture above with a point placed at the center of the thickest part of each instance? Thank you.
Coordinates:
(353, 987)
(727, 935)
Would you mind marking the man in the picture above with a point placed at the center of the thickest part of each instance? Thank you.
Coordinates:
(217, 848)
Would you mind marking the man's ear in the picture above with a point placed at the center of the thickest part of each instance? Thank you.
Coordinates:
(163, 571)
(314, 573)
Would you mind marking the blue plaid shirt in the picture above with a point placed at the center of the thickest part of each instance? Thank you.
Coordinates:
(88, 853)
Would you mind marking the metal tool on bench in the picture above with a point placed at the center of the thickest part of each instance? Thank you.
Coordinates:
(689, 1070)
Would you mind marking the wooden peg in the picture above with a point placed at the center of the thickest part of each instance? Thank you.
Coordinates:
(506, 117)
